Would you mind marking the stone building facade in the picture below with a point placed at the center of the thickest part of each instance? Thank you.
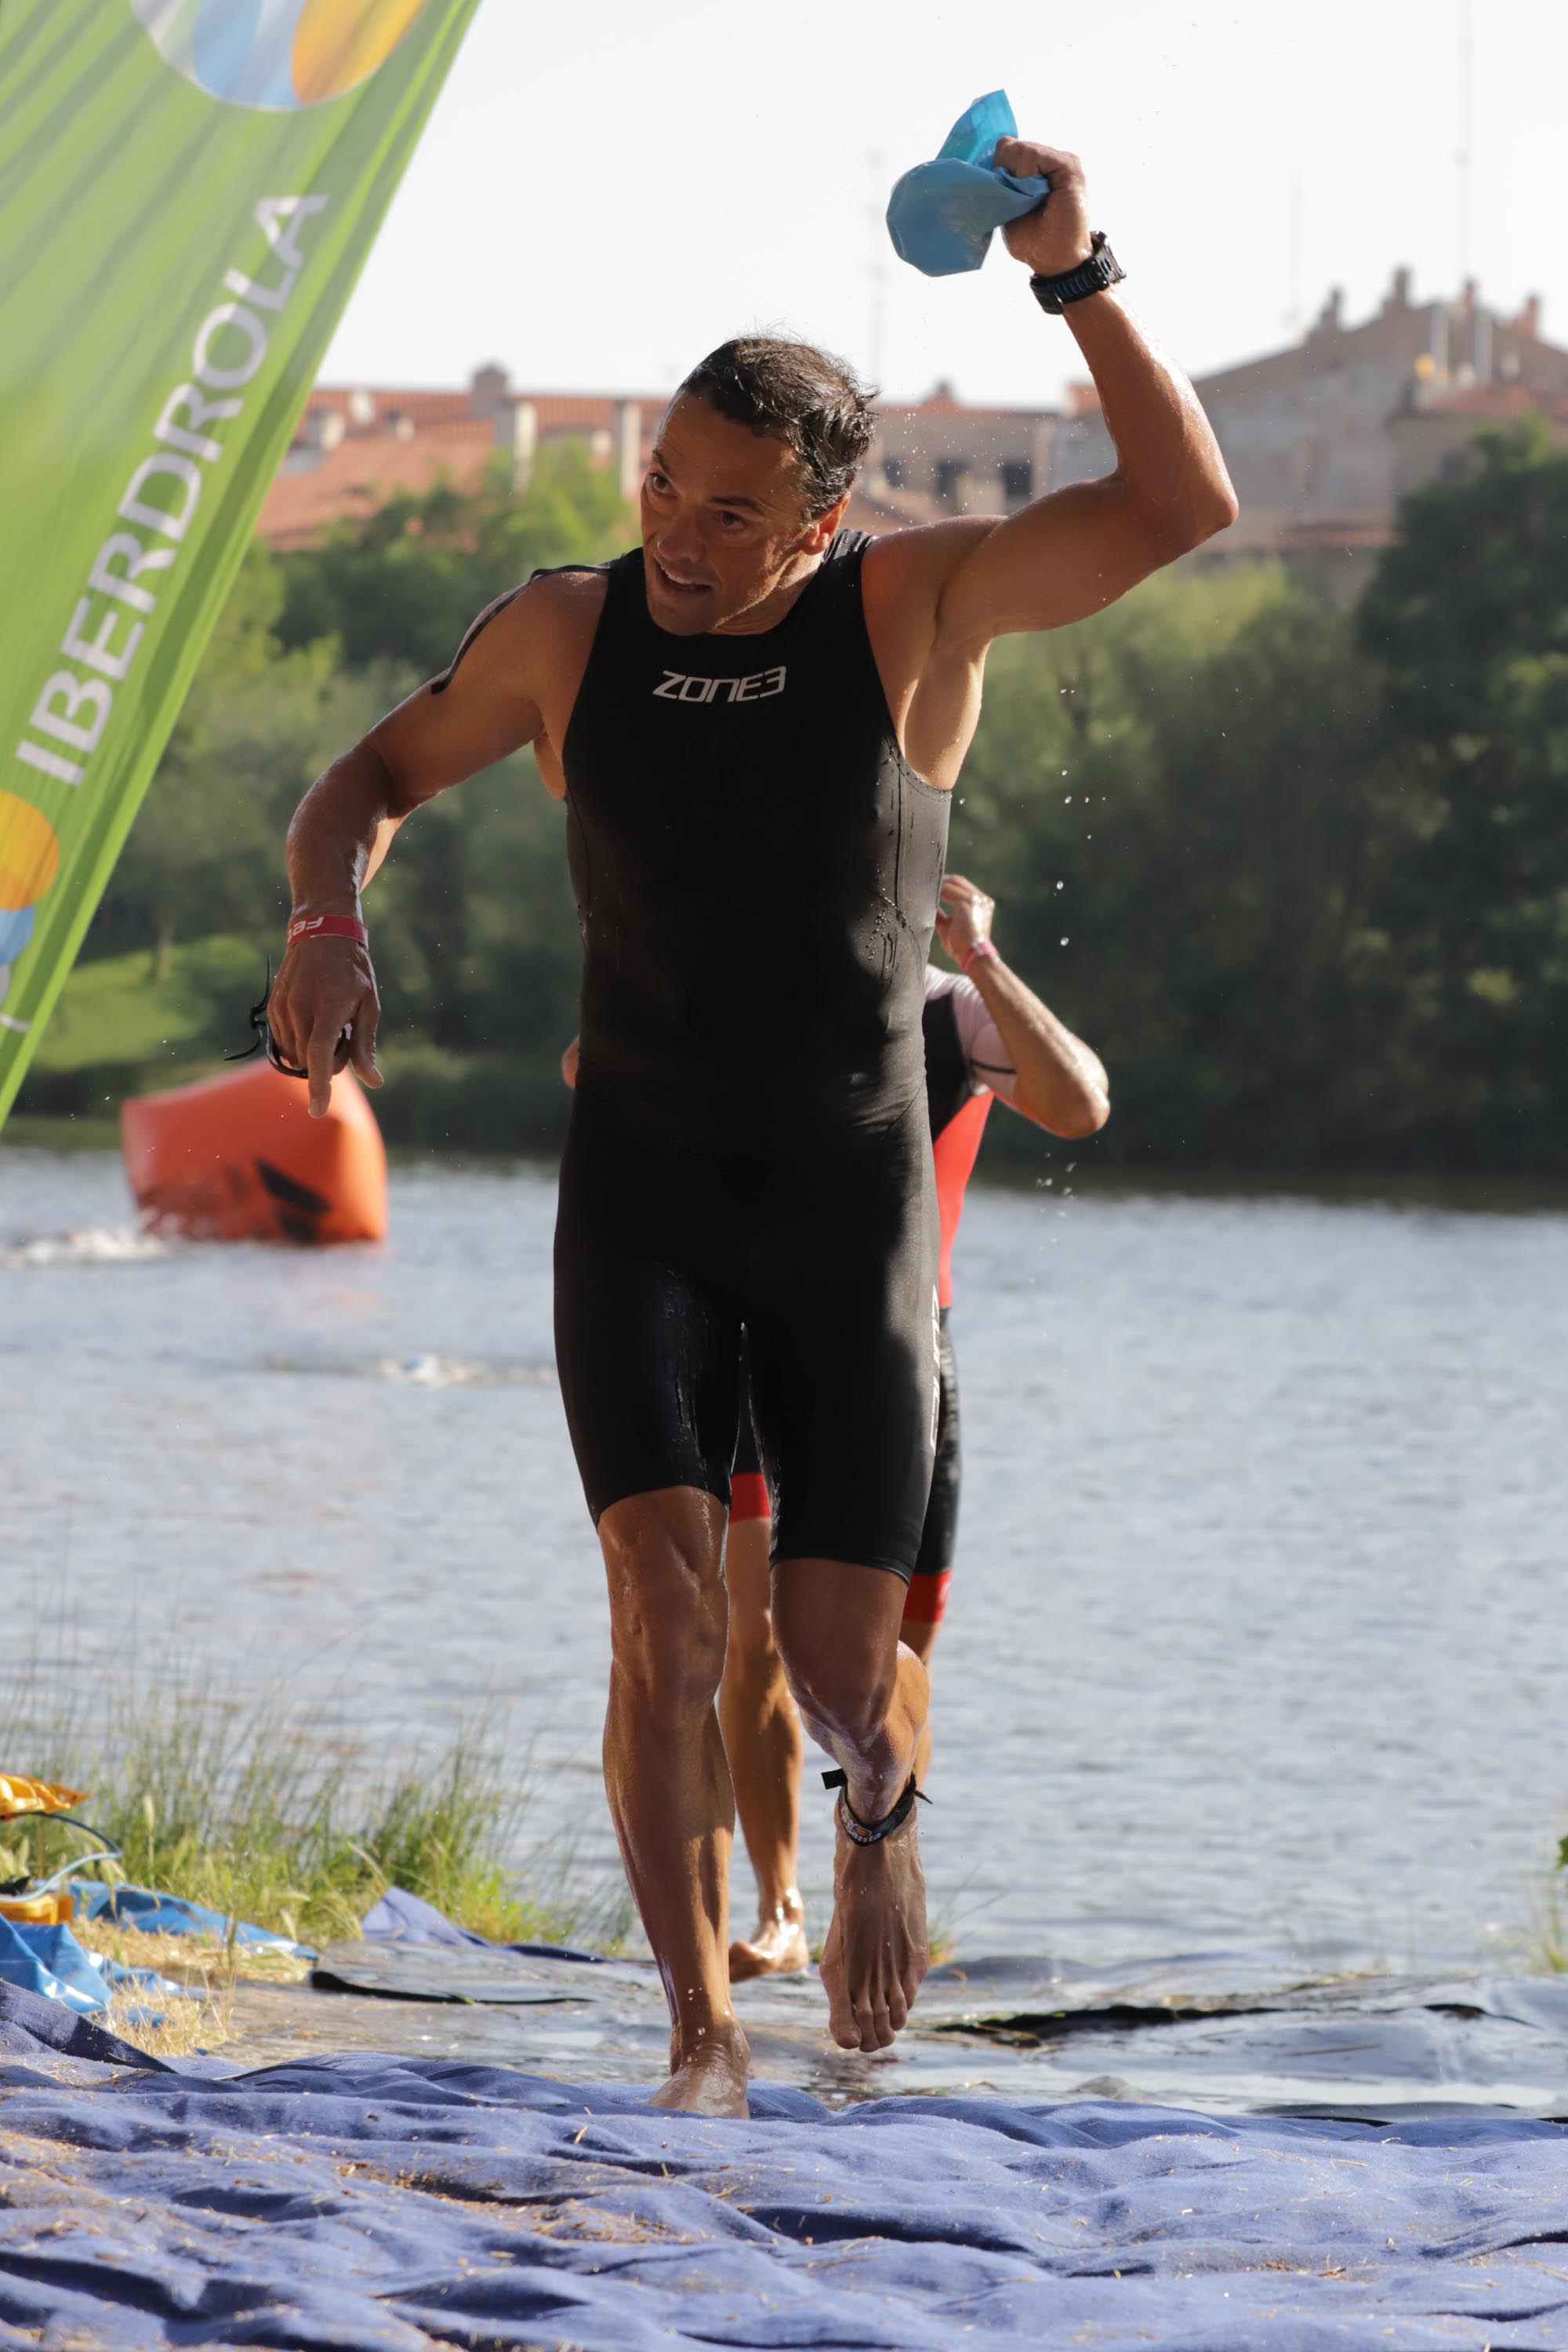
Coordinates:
(936, 456)
(1315, 435)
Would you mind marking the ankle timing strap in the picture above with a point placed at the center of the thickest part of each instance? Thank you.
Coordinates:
(861, 1833)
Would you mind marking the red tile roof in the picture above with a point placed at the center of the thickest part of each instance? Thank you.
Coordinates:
(424, 407)
(365, 470)
(584, 410)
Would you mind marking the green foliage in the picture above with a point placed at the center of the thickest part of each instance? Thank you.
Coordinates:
(1179, 807)
(230, 1794)
(168, 1015)
(1466, 628)
(260, 721)
(403, 584)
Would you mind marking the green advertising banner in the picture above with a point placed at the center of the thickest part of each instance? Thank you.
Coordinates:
(188, 189)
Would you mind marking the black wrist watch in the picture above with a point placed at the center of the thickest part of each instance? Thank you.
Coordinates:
(1092, 277)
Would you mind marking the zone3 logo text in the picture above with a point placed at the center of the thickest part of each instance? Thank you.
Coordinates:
(677, 688)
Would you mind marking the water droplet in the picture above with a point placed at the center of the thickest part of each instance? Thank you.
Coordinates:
(1062, 943)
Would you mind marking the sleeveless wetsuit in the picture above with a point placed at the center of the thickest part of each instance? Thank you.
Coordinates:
(756, 869)
(967, 1065)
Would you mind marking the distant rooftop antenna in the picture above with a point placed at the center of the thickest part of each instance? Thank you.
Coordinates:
(1465, 156)
(1293, 316)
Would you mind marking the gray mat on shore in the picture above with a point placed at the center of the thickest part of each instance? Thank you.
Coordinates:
(1207, 2030)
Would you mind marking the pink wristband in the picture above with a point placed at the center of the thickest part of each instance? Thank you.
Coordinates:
(972, 953)
(327, 926)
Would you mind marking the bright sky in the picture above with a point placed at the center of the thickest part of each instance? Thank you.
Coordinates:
(604, 191)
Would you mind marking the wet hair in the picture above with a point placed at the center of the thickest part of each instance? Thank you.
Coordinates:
(803, 396)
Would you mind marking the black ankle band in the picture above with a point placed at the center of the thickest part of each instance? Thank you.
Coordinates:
(861, 1833)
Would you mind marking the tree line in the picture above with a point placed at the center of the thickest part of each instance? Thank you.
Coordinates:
(1300, 873)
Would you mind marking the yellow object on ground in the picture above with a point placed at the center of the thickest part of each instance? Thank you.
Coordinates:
(20, 1795)
(55, 1910)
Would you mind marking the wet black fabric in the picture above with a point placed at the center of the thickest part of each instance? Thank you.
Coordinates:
(938, 1535)
(950, 1085)
(756, 869)
(661, 1257)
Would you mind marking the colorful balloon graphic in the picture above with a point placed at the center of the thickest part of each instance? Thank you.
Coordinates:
(277, 54)
(15, 930)
(29, 860)
(29, 853)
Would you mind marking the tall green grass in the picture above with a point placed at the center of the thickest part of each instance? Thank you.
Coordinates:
(1550, 1942)
(233, 1796)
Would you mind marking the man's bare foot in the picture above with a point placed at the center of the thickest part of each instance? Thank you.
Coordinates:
(779, 1947)
(876, 1954)
(708, 2077)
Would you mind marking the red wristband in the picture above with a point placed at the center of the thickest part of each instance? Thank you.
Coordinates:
(973, 952)
(327, 926)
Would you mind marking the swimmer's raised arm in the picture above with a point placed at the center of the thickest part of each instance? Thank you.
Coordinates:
(324, 1008)
(1069, 554)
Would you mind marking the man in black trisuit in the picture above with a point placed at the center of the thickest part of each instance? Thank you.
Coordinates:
(987, 1038)
(755, 720)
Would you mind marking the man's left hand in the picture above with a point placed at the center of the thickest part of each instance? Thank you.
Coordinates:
(1057, 235)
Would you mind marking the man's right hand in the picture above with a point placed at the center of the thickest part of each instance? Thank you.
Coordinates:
(962, 916)
(324, 1012)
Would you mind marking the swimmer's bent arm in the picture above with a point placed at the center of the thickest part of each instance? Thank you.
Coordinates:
(1076, 551)
(324, 1008)
(1059, 1082)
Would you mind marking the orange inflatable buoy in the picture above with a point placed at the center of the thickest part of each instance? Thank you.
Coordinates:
(239, 1158)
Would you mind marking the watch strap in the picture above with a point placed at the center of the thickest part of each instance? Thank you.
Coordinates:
(1092, 276)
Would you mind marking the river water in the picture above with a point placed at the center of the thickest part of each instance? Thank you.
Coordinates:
(1258, 1639)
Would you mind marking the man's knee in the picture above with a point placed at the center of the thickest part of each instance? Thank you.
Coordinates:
(842, 1682)
(668, 1605)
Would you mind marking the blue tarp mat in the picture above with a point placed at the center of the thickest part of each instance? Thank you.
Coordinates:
(50, 1962)
(399, 1917)
(170, 1915)
(54, 1962)
(364, 2201)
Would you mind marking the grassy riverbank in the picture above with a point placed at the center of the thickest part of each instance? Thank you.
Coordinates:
(236, 1797)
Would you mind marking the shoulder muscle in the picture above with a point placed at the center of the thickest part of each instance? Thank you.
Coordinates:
(493, 696)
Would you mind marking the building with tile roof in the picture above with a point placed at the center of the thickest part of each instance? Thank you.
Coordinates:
(1324, 438)
(357, 447)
